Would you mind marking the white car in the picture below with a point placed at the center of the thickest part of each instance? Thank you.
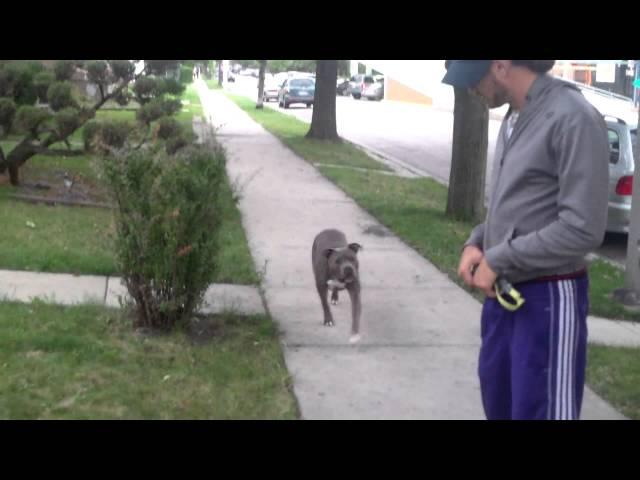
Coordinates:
(271, 88)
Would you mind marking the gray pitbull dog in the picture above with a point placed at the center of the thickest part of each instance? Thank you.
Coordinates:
(335, 267)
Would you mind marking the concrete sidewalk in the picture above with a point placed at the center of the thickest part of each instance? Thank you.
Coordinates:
(418, 355)
(66, 289)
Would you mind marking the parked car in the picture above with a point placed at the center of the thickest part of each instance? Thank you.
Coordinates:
(297, 90)
(342, 87)
(271, 88)
(374, 91)
(358, 83)
(622, 160)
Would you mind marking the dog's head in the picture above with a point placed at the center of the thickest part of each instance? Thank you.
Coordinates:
(343, 262)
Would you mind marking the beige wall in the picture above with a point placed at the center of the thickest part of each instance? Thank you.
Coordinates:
(397, 91)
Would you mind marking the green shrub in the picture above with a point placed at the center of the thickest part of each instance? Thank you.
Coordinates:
(186, 74)
(89, 132)
(168, 127)
(64, 70)
(178, 141)
(171, 107)
(152, 111)
(145, 89)
(114, 133)
(104, 135)
(98, 72)
(42, 81)
(167, 217)
(16, 81)
(29, 119)
(60, 96)
(122, 69)
(171, 87)
(67, 121)
(7, 114)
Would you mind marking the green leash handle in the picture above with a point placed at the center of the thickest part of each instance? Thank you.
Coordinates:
(504, 288)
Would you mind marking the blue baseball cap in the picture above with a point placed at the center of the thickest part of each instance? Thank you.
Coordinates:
(466, 73)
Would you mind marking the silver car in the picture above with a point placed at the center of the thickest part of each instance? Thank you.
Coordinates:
(623, 155)
(358, 83)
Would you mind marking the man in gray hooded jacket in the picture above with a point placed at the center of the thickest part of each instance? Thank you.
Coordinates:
(547, 210)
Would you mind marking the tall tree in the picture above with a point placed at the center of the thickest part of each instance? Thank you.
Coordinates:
(465, 199)
(323, 120)
(220, 73)
(263, 68)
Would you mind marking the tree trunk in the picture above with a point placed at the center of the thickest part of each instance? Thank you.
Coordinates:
(632, 272)
(323, 120)
(18, 157)
(14, 176)
(465, 199)
(220, 73)
(263, 67)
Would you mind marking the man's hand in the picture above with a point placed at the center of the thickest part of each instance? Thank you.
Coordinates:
(484, 278)
(469, 260)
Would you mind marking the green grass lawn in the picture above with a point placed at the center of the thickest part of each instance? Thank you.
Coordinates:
(64, 239)
(614, 374)
(85, 362)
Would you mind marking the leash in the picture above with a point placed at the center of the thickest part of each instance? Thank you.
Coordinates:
(503, 288)
(513, 300)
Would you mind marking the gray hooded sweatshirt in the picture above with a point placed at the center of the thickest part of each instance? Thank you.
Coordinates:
(549, 187)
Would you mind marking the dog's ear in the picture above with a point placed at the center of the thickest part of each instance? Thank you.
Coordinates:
(328, 252)
(355, 247)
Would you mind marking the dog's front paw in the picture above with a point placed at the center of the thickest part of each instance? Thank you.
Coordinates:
(328, 323)
(334, 301)
(354, 338)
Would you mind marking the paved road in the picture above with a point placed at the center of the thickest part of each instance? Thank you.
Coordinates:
(417, 135)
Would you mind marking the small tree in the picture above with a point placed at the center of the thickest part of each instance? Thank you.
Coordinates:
(23, 83)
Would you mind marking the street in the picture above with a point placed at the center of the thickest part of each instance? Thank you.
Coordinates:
(416, 135)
